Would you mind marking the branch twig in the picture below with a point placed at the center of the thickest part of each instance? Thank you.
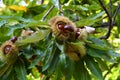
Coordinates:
(51, 8)
(103, 6)
(105, 24)
(112, 66)
(116, 12)
(60, 9)
(110, 4)
(110, 20)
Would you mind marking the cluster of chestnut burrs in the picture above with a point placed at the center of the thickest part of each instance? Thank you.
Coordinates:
(65, 33)
(73, 38)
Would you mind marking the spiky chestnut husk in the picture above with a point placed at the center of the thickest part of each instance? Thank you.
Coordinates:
(75, 51)
(8, 51)
(8, 55)
(81, 34)
(63, 28)
(65, 31)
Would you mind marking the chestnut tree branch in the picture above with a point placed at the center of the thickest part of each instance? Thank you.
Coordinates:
(103, 6)
(109, 17)
(112, 66)
(60, 9)
(105, 24)
(116, 12)
(47, 13)
(110, 5)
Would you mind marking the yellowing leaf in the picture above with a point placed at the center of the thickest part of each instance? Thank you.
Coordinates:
(18, 8)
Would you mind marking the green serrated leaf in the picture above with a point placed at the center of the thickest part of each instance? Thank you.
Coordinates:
(34, 62)
(6, 75)
(4, 31)
(17, 32)
(50, 57)
(97, 44)
(52, 60)
(11, 76)
(76, 7)
(94, 68)
(16, 18)
(83, 8)
(113, 53)
(33, 38)
(80, 72)
(4, 68)
(58, 73)
(20, 70)
(90, 20)
(94, 7)
(85, 22)
(10, 2)
(2, 22)
(102, 64)
(37, 24)
(101, 54)
(66, 66)
(2, 63)
(37, 9)
(98, 15)
(32, 4)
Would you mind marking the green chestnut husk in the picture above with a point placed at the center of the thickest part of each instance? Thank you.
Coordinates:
(75, 50)
(8, 55)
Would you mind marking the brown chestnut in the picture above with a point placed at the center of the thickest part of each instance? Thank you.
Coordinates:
(7, 49)
(61, 25)
(69, 28)
(78, 32)
(14, 39)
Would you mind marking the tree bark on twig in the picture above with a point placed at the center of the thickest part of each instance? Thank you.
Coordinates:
(110, 20)
(111, 17)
